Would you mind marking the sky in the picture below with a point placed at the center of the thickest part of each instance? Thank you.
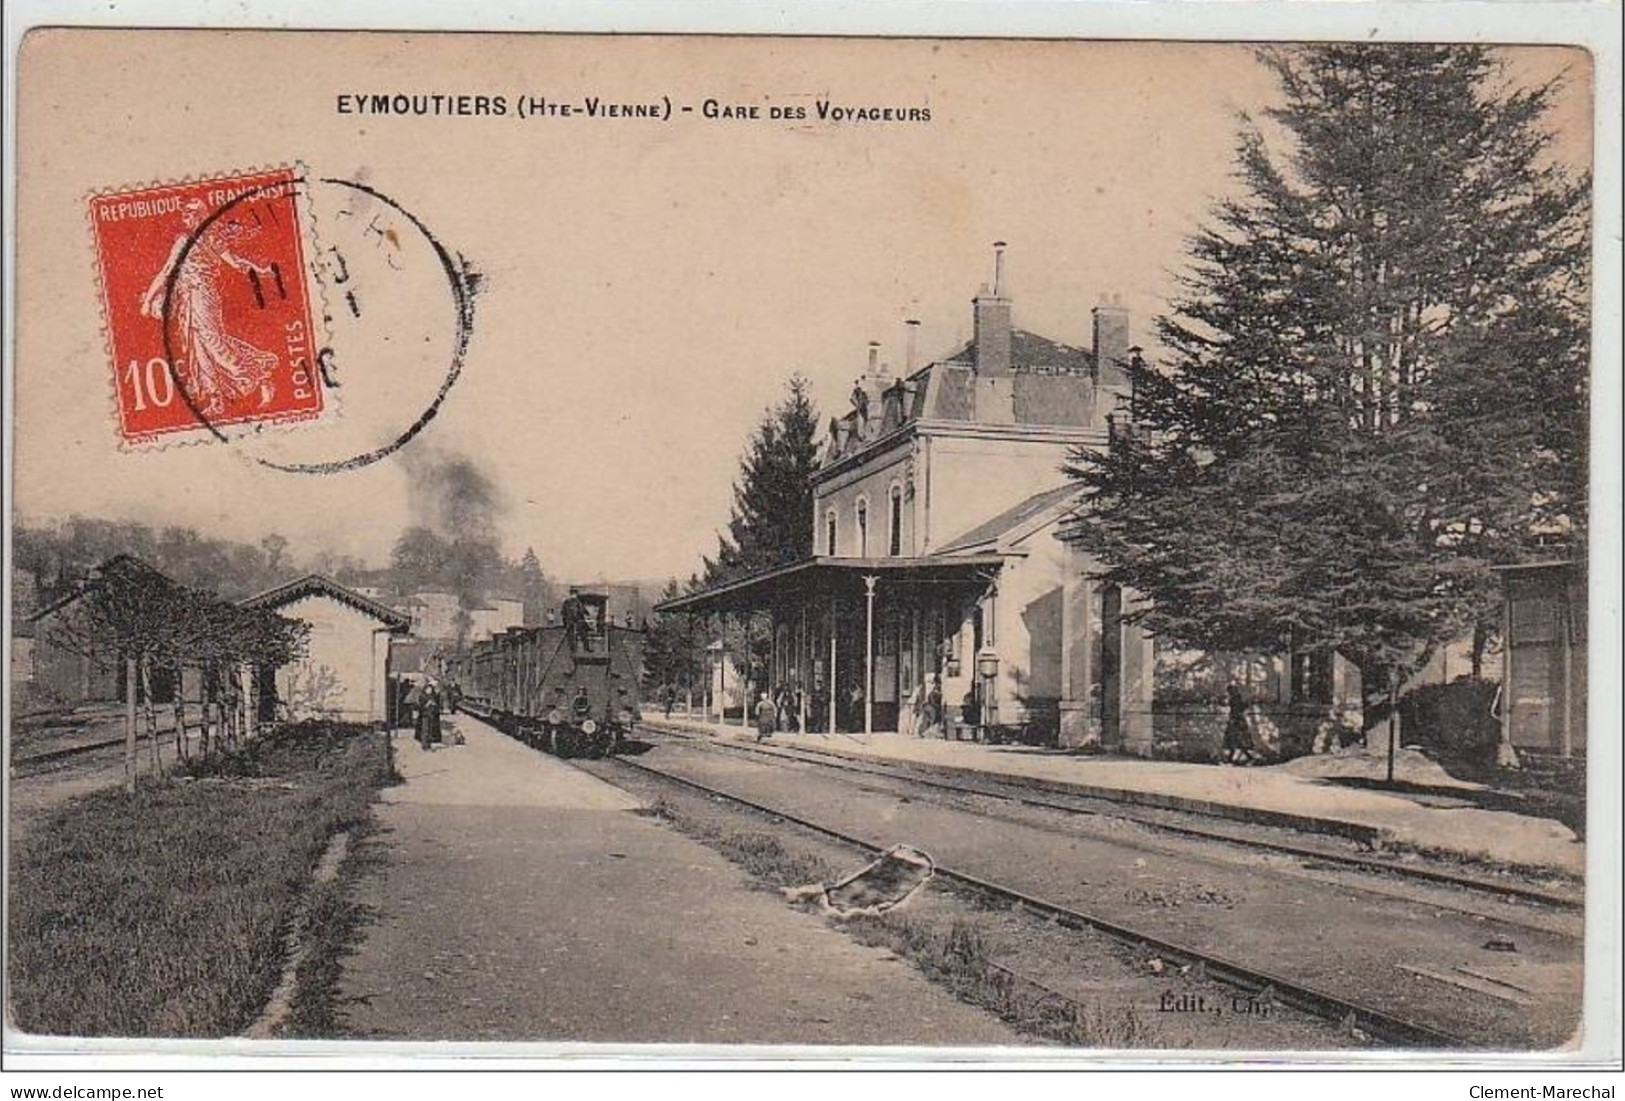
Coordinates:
(646, 286)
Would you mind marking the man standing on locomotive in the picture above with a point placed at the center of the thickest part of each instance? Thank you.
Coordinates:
(574, 613)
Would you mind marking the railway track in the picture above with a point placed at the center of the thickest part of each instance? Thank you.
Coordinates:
(1048, 797)
(35, 760)
(1254, 982)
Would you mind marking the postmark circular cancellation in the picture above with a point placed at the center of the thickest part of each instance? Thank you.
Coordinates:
(312, 324)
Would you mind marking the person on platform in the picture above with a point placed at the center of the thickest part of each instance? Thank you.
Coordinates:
(784, 704)
(765, 716)
(1238, 743)
(908, 716)
(855, 710)
(931, 714)
(429, 717)
(410, 702)
(970, 709)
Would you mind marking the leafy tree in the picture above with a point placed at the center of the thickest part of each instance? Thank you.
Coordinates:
(419, 559)
(772, 512)
(1376, 380)
(62, 556)
(274, 546)
(132, 613)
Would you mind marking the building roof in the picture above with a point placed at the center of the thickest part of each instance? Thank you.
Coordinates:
(1050, 385)
(1038, 354)
(316, 585)
(119, 562)
(998, 532)
(834, 576)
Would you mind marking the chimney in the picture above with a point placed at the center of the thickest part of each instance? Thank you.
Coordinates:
(913, 326)
(1111, 344)
(993, 322)
(874, 358)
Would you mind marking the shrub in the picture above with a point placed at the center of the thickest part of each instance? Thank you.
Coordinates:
(1452, 720)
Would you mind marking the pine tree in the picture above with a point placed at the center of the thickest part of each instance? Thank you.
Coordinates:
(532, 588)
(670, 653)
(772, 512)
(1376, 381)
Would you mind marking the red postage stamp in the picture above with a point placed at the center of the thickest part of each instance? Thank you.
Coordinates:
(208, 310)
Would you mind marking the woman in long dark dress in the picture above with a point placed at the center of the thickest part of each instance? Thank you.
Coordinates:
(429, 717)
(1238, 747)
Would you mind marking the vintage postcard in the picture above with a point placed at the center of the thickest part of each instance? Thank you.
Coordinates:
(1029, 550)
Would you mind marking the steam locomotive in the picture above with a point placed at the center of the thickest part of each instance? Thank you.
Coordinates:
(568, 690)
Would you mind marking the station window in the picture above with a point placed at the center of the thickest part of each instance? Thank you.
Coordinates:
(829, 534)
(863, 528)
(895, 546)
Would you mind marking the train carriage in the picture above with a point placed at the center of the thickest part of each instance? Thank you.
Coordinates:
(572, 691)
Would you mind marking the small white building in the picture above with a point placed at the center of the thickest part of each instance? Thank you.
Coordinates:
(495, 616)
(343, 674)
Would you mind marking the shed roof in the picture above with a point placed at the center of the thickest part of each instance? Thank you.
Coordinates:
(316, 585)
(996, 531)
(125, 563)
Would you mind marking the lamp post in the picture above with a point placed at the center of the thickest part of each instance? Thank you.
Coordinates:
(1393, 720)
(869, 654)
(987, 669)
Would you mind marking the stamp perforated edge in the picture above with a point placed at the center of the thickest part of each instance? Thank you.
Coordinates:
(316, 298)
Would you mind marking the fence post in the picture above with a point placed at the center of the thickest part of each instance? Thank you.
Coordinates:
(129, 724)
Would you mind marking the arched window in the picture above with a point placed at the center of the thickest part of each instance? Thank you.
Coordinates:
(829, 533)
(895, 545)
(863, 528)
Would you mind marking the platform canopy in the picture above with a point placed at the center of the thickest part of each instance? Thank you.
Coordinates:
(824, 576)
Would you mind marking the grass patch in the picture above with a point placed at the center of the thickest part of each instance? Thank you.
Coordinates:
(164, 913)
(763, 857)
(759, 854)
(960, 957)
(1485, 865)
(332, 928)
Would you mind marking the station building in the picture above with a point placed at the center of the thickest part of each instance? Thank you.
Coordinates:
(942, 514)
(343, 673)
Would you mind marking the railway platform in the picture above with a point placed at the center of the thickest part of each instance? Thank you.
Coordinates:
(1267, 795)
(515, 898)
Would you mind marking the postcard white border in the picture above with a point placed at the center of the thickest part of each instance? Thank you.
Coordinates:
(1595, 26)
